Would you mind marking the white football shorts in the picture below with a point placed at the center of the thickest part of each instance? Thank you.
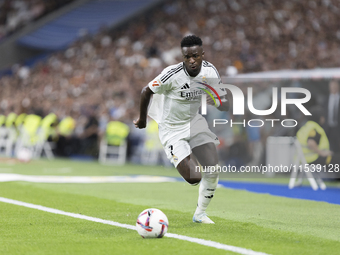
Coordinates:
(178, 140)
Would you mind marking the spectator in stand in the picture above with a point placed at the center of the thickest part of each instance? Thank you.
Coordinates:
(333, 115)
(67, 144)
(89, 137)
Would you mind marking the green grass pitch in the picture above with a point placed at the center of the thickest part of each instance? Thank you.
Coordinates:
(260, 222)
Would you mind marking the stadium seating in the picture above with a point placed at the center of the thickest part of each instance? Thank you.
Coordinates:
(16, 14)
(86, 19)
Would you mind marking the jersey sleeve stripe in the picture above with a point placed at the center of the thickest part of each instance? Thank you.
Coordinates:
(172, 75)
(170, 72)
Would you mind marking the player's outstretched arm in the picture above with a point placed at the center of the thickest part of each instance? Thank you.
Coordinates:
(143, 107)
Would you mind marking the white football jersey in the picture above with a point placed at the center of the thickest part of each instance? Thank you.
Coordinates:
(177, 95)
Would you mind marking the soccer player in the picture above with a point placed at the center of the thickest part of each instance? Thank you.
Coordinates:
(184, 134)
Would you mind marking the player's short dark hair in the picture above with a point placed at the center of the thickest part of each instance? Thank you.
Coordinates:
(191, 40)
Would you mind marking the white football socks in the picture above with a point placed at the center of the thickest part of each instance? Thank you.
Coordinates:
(206, 191)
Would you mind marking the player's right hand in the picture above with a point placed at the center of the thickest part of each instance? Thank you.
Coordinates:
(139, 123)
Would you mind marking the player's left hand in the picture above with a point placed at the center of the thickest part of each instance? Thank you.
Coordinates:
(139, 123)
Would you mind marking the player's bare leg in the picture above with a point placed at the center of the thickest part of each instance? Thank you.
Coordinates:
(188, 169)
(207, 156)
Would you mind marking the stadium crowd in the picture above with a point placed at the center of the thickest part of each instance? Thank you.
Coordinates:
(15, 14)
(99, 78)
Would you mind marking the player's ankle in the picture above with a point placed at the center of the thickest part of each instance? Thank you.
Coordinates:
(199, 210)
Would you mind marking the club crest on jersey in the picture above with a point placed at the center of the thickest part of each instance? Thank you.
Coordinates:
(175, 158)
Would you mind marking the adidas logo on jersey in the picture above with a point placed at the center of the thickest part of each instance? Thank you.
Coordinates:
(186, 86)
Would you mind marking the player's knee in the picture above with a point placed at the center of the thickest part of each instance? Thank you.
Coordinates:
(193, 181)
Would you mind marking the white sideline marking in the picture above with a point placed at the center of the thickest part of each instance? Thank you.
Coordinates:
(117, 224)
(84, 179)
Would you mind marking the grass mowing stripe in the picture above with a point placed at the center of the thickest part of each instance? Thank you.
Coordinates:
(127, 226)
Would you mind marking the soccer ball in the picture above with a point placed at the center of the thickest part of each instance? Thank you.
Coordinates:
(152, 223)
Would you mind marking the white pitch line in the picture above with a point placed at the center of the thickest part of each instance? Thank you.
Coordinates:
(209, 243)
